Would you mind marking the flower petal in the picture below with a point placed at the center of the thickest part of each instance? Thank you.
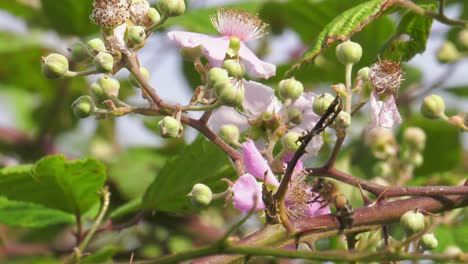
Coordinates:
(304, 105)
(227, 116)
(315, 209)
(255, 164)
(246, 189)
(384, 114)
(258, 99)
(256, 67)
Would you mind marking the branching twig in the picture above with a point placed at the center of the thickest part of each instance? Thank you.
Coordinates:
(439, 16)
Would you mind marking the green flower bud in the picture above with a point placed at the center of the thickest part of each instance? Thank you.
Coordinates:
(79, 52)
(453, 250)
(104, 62)
(171, 8)
(321, 103)
(230, 134)
(217, 75)
(463, 37)
(433, 107)
(382, 169)
(429, 241)
(290, 89)
(339, 89)
(448, 53)
(231, 95)
(364, 73)
(95, 46)
(381, 142)
(234, 67)
(137, 35)
(343, 120)
(110, 86)
(83, 106)
(133, 81)
(415, 138)
(54, 66)
(153, 16)
(412, 222)
(98, 92)
(295, 116)
(290, 142)
(201, 195)
(169, 127)
(191, 54)
(349, 52)
(415, 159)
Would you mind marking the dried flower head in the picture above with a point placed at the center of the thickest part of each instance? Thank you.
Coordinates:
(139, 10)
(110, 13)
(238, 23)
(386, 76)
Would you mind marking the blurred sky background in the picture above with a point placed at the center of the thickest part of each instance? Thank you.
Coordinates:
(163, 60)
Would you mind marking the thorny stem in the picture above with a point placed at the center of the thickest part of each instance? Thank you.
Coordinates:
(439, 16)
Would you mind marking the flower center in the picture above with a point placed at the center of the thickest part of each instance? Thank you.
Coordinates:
(110, 13)
(238, 23)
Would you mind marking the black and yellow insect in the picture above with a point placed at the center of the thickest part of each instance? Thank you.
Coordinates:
(329, 193)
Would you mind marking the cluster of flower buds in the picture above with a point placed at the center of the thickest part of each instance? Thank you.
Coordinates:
(414, 141)
(413, 222)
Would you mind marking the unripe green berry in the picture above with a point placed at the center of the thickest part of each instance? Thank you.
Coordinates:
(144, 72)
(54, 66)
(201, 195)
(412, 222)
(104, 62)
(137, 35)
(448, 53)
(231, 95)
(290, 142)
(382, 169)
(98, 92)
(343, 120)
(295, 116)
(290, 89)
(230, 134)
(363, 73)
(83, 106)
(415, 138)
(217, 75)
(110, 86)
(95, 46)
(349, 52)
(169, 127)
(433, 107)
(321, 103)
(171, 8)
(234, 68)
(191, 54)
(463, 37)
(429, 241)
(79, 52)
(153, 16)
(416, 159)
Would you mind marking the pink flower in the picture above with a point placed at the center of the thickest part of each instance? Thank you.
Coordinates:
(230, 23)
(384, 114)
(247, 191)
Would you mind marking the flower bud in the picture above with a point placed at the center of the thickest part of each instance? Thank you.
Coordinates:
(290, 89)
(339, 89)
(448, 53)
(201, 195)
(104, 62)
(95, 46)
(363, 73)
(382, 169)
(54, 66)
(133, 81)
(98, 92)
(153, 16)
(433, 107)
(412, 222)
(191, 54)
(83, 106)
(414, 158)
(290, 142)
(171, 8)
(217, 75)
(295, 116)
(415, 138)
(321, 103)
(230, 134)
(138, 11)
(110, 86)
(169, 127)
(235, 68)
(231, 95)
(463, 37)
(457, 121)
(349, 52)
(453, 250)
(381, 142)
(137, 35)
(343, 120)
(79, 52)
(429, 241)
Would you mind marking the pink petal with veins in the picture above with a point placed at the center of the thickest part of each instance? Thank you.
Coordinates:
(247, 193)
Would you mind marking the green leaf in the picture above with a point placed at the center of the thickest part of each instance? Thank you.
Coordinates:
(70, 17)
(201, 162)
(342, 28)
(104, 255)
(410, 37)
(24, 214)
(460, 91)
(70, 186)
